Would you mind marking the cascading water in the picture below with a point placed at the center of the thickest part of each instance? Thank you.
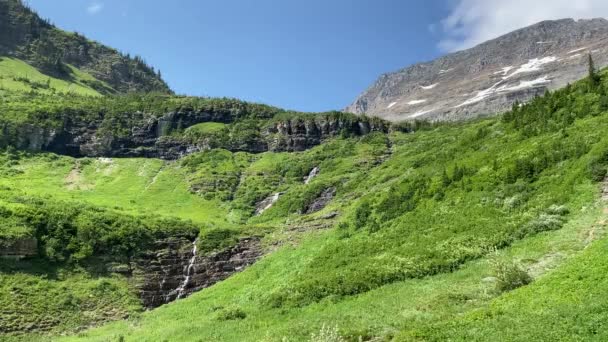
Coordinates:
(267, 203)
(313, 173)
(182, 287)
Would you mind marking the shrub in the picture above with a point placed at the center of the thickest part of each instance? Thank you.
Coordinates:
(217, 239)
(327, 334)
(230, 314)
(545, 222)
(560, 210)
(509, 275)
(597, 170)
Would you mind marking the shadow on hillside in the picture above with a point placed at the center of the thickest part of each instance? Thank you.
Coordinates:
(52, 271)
(33, 266)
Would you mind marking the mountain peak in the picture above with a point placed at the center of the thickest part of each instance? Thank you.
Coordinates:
(491, 76)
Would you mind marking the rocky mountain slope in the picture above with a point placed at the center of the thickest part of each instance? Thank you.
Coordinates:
(490, 77)
(24, 35)
(166, 127)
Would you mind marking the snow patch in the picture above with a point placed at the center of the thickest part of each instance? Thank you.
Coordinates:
(481, 95)
(420, 113)
(442, 71)
(497, 89)
(391, 105)
(575, 56)
(415, 102)
(429, 87)
(504, 71)
(547, 42)
(534, 65)
(577, 50)
(524, 85)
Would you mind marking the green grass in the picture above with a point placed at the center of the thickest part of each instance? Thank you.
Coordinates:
(206, 128)
(420, 220)
(129, 185)
(427, 260)
(16, 75)
(36, 296)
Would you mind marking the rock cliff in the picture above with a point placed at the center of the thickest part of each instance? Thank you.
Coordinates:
(173, 269)
(162, 137)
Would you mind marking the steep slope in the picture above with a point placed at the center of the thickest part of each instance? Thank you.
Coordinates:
(374, 234)
(489, 78)
(24, 35)
(18, 76)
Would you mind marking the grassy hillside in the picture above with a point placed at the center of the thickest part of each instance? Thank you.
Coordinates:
(66, 56)
(461, 230)
(18, 76)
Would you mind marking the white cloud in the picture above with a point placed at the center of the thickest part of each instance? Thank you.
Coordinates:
(475, 21)
(95, 7)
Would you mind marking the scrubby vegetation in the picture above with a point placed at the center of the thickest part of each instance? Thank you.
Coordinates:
(433, 229)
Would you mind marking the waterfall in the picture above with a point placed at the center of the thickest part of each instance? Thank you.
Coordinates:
(267, 203)
(180, 290)
(313, 173)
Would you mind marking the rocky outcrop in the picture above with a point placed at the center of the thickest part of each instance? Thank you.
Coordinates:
(172, 269)
(19, 248)
(301, 134)
(489, 78)
(160, 137)
(322, 201)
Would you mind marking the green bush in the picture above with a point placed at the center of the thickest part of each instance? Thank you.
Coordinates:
(509, 275)
(230, 314)
(216, 240)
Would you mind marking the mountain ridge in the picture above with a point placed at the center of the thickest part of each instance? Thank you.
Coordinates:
(26, 36)
(466, 83)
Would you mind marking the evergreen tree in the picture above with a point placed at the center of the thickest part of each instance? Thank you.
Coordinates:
(594, 79)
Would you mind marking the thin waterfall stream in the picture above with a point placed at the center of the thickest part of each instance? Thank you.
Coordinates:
(180, 290)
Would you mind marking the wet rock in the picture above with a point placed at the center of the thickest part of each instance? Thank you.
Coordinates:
(313, 173)
(266, 203)
(171, 269)
(322, 201)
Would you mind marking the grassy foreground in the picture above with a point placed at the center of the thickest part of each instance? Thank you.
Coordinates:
(462, 231)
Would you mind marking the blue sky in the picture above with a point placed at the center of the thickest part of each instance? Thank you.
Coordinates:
(312, 55)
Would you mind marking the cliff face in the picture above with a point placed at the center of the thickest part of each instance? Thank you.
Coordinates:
(150, 136)
(174, 269)
(490, 77)
(301, 134)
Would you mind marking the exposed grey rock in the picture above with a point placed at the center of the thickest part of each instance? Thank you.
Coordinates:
(84, 138)
(490, 77)
(299, 135)
(322, 201)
